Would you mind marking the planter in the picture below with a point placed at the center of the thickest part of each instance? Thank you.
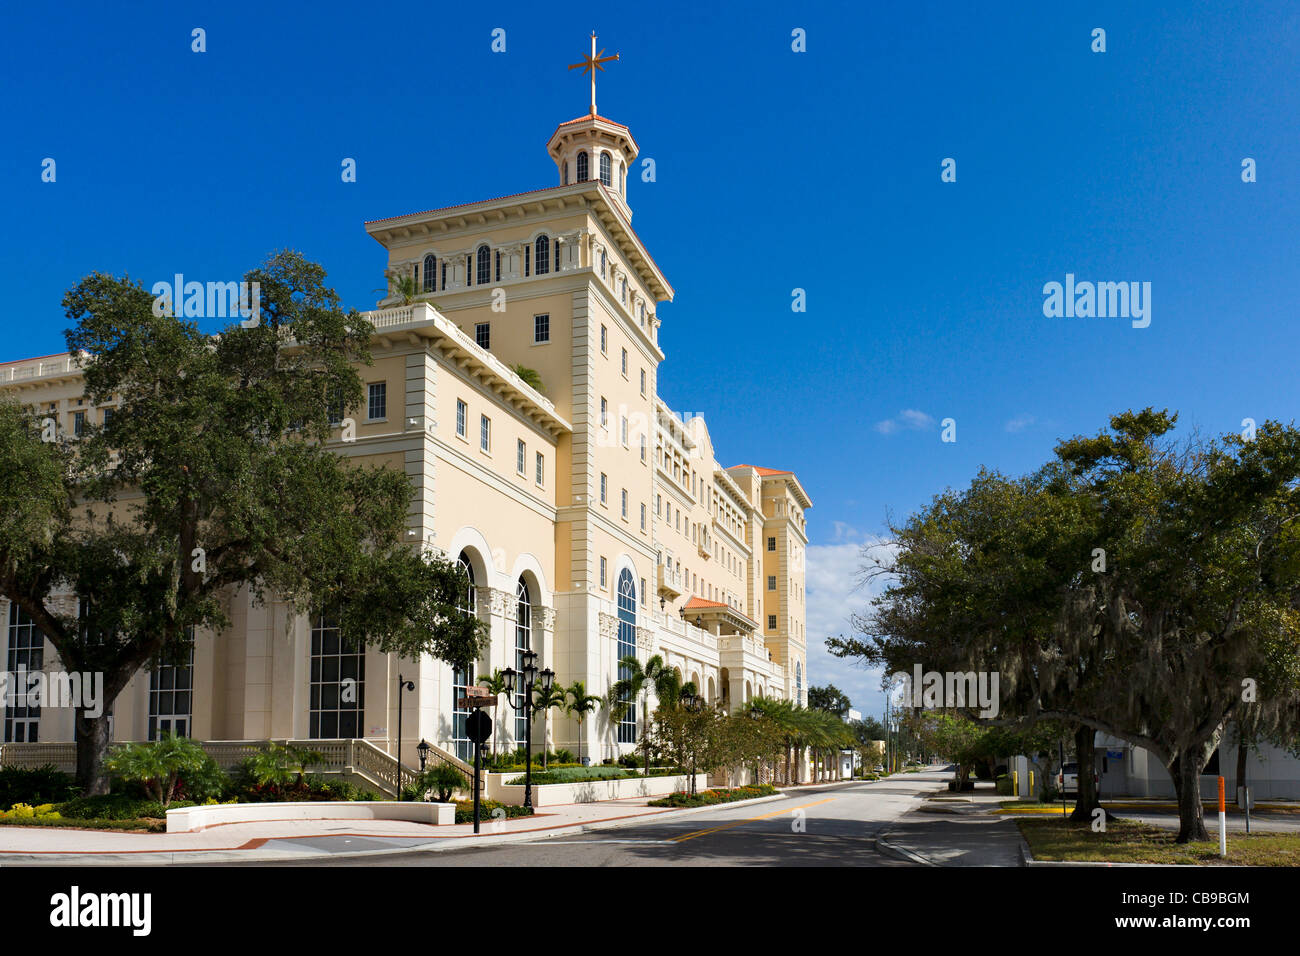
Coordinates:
(191, 819)
(590, 791)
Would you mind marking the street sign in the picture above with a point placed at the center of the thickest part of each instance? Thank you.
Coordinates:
(474, 703)
(477, 691)
(478, 726)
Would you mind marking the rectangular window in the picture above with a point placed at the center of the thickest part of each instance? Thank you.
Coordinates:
(78, 423)
(643, 446)
(623, 502)
(623, 429)
(642, 381)
(108, 416)
(483, 335)
(25, 653)
(378, 403)
(643, 592)
(171, 703)
(659, 500)
(460, 418)
(771, 544)
(643, 517)
(625, 362)
(521, 457)
(604, 413)
(485, 433)
(338, 683)
(541, 469)
(604, 340)
(771, 622)
(771, 582)
(542, 328)
(604, 568)
(604, 487)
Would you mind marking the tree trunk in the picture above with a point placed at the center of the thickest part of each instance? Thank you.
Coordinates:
(1087, 800)
(92, 748)
(1186, 771)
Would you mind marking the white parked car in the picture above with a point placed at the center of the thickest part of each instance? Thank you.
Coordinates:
(1067, 780)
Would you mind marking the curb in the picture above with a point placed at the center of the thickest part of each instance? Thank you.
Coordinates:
(436, 845)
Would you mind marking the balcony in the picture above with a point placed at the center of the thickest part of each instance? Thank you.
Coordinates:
(670, 584)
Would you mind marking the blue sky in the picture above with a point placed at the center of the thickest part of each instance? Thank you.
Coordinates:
(776, 170)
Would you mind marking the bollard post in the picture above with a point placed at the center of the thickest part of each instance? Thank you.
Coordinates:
(1223, 823)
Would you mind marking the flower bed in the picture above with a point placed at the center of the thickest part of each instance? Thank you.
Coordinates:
(707, 798)
(465, 811)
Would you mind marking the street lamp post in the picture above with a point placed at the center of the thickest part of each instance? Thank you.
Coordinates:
(423, 750)
(526, 678)
(402, 685)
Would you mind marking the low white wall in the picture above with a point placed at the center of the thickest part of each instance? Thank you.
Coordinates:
(589, 791)
(189, 819)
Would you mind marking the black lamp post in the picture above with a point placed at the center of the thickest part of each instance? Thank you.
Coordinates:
(526, 679)
(402, 685)
(423, 749)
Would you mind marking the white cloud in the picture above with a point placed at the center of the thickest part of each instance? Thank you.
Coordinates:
(909, 418)
(836, 590)
(1020, 423)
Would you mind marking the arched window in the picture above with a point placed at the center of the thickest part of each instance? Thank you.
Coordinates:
(523, 642)
(582, 167)
(484, 266)
(543, 257)
(604, 167)
(430, 272)
(798, 683)
(626, 646)
(462, 677)
(566, 172)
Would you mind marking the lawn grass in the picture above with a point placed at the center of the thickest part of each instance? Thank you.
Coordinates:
(1154, 806)
(1126, 841)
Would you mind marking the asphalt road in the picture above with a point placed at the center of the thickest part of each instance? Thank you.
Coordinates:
(816, 826)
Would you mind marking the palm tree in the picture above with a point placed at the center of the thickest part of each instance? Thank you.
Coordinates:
(403, 285)
(654, 675)
(580, 705)
(544, 700)
(530, 376)
(496, 686)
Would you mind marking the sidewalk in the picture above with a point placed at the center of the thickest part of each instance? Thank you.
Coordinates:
(282, 841)
(955, 829)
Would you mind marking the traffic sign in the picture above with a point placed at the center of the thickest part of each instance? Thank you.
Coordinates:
(478, 726)
(474, 703)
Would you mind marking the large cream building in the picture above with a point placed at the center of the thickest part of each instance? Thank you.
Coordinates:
(594, 521)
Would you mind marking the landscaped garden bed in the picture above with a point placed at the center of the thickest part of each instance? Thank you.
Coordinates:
(707, 798)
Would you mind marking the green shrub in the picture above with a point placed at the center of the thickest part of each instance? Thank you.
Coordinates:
(572, 775)
(1004, 785)
(707, 798)
(465, 811)
(35, 785)
(160, 765)
(443, 779)
(116, 806)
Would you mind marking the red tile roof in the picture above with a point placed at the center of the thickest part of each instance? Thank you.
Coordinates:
(696, 602)
(763, 471)
(371, 222)
(589, 116)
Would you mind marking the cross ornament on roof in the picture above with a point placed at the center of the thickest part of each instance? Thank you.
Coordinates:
(591, 64)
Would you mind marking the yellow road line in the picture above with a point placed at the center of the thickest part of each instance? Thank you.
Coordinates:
(740, 823)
